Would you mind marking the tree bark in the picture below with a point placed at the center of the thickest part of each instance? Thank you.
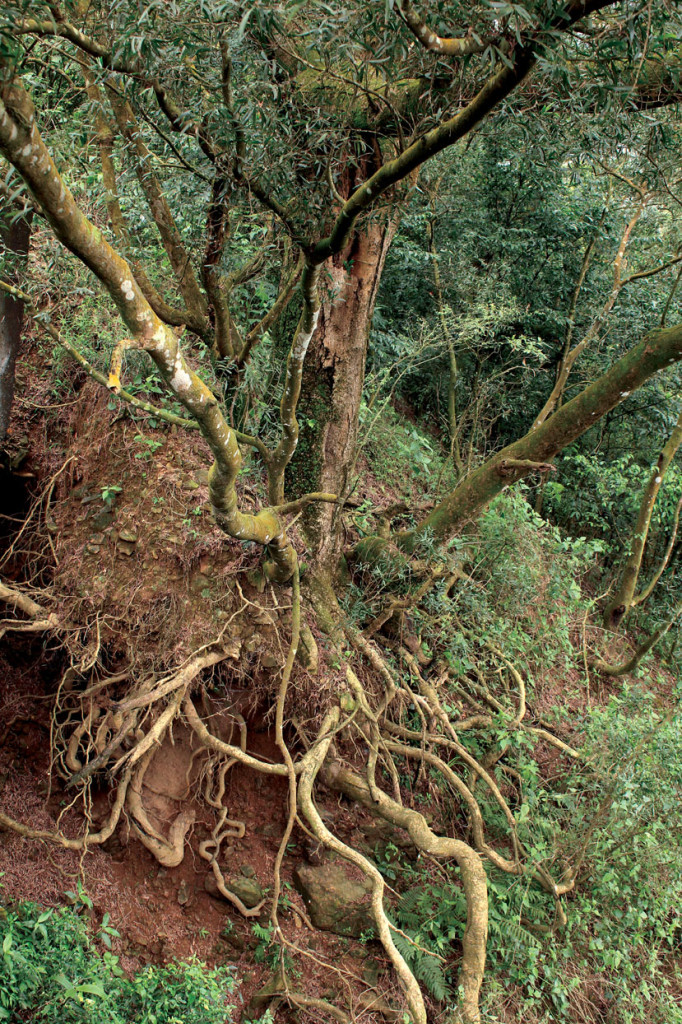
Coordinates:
(329, 407)
(15, 237)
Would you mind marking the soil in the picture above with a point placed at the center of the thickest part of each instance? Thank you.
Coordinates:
(163, 913)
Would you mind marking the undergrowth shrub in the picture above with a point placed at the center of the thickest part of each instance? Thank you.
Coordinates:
(617, 813)
(51, 969)
(399, 453)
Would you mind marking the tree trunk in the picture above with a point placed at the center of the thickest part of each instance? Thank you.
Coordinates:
(329, 406)
(657, 349)
(15, 235)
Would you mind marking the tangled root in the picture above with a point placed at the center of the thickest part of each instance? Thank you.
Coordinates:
(94, 732)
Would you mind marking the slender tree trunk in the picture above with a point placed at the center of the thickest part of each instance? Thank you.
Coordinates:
(625, 597)
(15, 236)
(329, 407)
(453, 425)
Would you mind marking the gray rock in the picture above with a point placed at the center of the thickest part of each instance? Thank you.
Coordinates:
(247, 889)
(102, 520)
(263, 997)
(335, 901)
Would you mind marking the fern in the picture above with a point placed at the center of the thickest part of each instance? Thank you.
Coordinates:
(426, 966)
(430, 972)
(510, 929)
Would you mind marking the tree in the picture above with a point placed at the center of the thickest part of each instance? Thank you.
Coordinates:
(323, 116)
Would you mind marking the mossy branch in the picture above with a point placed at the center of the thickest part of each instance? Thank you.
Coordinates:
(22, 144)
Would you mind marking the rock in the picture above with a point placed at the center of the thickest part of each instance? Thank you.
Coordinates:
(264, 995)
(248, 871)
(128, 536)
(125, 547)
(183, 893)
(102, 520)
(335, 901)
(201, 477)
(247, 889)
(375, 1003)
(381, 836)
(189, 485)
(270, 661)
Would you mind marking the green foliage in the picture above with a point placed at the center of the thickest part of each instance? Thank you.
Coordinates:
(398, 451)
(51, 968)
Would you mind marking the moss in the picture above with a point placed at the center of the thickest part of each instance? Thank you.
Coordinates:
(304, 470)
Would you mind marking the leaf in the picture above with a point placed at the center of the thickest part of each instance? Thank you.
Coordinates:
(93, 988)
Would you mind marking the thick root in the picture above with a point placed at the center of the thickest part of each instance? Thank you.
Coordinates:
(408, 981)
(471, 868)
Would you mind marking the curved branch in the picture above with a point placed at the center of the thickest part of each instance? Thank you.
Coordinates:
(22, 144)
(450, 47)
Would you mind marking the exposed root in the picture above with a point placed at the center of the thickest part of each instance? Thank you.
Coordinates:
(224, 828)
(39, 618)
(307, 806)
(471, 868)
(82, 843)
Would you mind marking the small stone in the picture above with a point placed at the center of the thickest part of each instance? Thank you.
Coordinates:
(270, 661)
(267, 829)
(92, 549)
(201, 477)
(263, 618)
(256, 579)
(183, 893)
(125, 548)
(235, 940)
(189, 485)
(264, 996)
(248, 871)
(199, 583)
(128, 536)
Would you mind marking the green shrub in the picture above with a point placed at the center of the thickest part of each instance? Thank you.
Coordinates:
(50, 968)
